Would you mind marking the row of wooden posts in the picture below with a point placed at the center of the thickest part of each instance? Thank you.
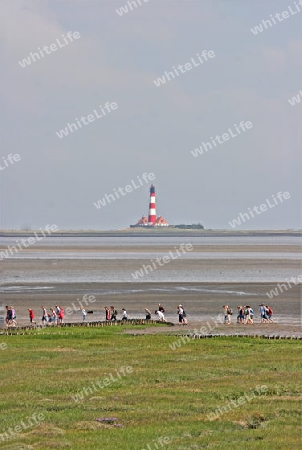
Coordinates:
(11, 330)
(22, 330)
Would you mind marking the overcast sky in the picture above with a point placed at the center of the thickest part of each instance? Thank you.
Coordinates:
(154, 129)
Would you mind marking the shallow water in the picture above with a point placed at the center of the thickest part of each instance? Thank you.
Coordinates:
(154, 255)
(158, 241)
(118, 275)
(130, 257)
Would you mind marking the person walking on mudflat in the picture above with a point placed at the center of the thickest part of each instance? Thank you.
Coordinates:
(180, 314)
(58, 310)
(161, 316)
(61, 315)
(269, 313)
(252, 314)
(9, 316)
(107, 313)
(31, 315)
(184, 320)
(248, 317)
(263, 313)
(241, 316)
(161, 308)
(84, 314)
(124, 315)
(113, 313)
(148, 314)
(227, 314)
(14, 317)
(44, 315)
(52, 316)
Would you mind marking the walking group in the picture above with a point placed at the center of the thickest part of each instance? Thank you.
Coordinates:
(110, 314)
(55, 316)
(245, 314)
(182, 316)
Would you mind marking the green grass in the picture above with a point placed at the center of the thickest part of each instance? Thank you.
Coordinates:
(169, 393)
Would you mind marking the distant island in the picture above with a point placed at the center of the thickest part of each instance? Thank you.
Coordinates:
(193, 226)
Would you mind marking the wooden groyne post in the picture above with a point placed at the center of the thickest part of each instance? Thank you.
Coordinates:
(97, 324)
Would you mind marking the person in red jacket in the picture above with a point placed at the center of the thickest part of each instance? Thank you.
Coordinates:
(61, 315)
(269, 313)
(31, 315)
(107, 312)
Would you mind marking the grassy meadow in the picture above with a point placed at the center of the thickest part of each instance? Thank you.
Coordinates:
(202, 395)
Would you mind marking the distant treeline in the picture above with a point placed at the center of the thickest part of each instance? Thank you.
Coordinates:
(193, 226)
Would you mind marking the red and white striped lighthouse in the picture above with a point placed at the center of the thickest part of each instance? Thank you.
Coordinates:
(152, 220)
(152, 207)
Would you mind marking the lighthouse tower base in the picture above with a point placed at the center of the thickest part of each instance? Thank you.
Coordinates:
(152, 220)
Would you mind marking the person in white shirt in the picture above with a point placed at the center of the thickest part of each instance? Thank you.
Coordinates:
(161, 316)
(124, 315)
(58, 310)
(83, 314)
(44, 315)
(180, 314)
(227, 314)
(184, 315)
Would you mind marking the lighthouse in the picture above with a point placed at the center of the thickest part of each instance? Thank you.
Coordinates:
(152, 221)
(152, 207)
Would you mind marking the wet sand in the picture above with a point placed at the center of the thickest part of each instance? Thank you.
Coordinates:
(209, 328)
(202, 300)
